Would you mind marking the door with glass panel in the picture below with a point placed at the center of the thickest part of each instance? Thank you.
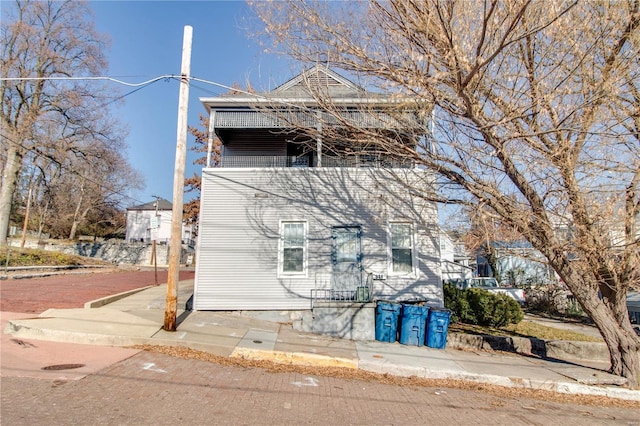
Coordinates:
(346, 257)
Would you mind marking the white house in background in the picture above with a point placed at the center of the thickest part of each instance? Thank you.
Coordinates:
(286, 225)
(454, 260)
(153, 219)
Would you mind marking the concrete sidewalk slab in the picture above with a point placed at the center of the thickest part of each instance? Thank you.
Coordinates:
(228, 319)
(587, 376)
(290, 340)
(153, 297)
(102, 326)
(259, 339)
(402, 360)
(22, 357)
(506, 365)
(198, 334)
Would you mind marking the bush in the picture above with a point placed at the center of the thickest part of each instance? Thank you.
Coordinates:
(481, 307)
(553, 299)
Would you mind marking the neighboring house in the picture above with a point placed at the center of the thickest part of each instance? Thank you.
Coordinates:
(633, 305)
(142, 227)
(517, 263)
(455, 263)
(285, 225)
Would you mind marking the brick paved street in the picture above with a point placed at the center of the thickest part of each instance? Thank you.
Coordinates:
(156, 389)
(36, 295)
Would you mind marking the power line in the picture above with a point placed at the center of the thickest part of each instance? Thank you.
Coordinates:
(138, 86)
(96, 78)
(147, 82)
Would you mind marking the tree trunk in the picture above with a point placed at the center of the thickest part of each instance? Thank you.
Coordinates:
(74, 226)
(25, 225)
(611, 317)
(9, 180)
(41, 219)
(623, 343)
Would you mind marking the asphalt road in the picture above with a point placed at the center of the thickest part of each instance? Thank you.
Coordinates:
(117, 386)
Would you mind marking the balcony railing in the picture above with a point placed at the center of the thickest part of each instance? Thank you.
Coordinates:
(268, 161)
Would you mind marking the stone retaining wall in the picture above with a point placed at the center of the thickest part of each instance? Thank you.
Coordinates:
(114, 251)
(559, 349)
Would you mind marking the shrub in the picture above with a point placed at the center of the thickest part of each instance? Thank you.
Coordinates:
(481, 307)
(455, 301)
(553, 299)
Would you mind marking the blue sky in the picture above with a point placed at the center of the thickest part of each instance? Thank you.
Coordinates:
(147, 41)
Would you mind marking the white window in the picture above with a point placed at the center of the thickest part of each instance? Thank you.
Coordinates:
(402, 248)
(293, 248)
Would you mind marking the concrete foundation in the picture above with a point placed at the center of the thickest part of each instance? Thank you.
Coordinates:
(355, 321)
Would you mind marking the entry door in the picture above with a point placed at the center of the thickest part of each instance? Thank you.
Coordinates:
(346, 256)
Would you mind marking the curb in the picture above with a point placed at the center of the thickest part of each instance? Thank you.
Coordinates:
(97, 303)
(294, 358)
(509, 382)
(73, 337)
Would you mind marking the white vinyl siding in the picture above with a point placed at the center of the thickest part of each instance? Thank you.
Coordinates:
(293, 248)
(240, 257)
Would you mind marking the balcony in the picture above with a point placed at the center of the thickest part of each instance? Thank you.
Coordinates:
(365, 160)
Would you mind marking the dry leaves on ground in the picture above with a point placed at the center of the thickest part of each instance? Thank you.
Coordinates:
(356, 374)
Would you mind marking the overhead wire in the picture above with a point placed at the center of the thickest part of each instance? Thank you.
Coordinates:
(38, 153)
(138, 86)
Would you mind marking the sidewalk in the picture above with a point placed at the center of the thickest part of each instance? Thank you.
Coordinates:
(137, 318)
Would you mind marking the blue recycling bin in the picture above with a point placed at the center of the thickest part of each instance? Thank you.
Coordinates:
(438, 327)
(413, 324)
(387, 321)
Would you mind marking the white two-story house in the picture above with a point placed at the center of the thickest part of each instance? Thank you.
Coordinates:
(290, 217)
(152, 221)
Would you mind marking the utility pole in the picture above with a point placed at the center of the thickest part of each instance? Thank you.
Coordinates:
(175, 249)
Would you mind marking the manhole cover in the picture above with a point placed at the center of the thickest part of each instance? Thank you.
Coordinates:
(62, 366)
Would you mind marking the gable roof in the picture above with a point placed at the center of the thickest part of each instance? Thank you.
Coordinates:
(299, 91)
(302, 97)
(319, 77)
(162, 205)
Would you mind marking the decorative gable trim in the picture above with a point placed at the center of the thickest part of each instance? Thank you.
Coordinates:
(318, 76)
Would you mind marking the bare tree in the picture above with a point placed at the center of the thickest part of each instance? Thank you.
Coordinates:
(80, 188)
(523, 94)
(45, 41)
(201, 144)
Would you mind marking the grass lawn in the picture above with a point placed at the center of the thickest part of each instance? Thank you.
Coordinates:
(524, 329)
(34, 257)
